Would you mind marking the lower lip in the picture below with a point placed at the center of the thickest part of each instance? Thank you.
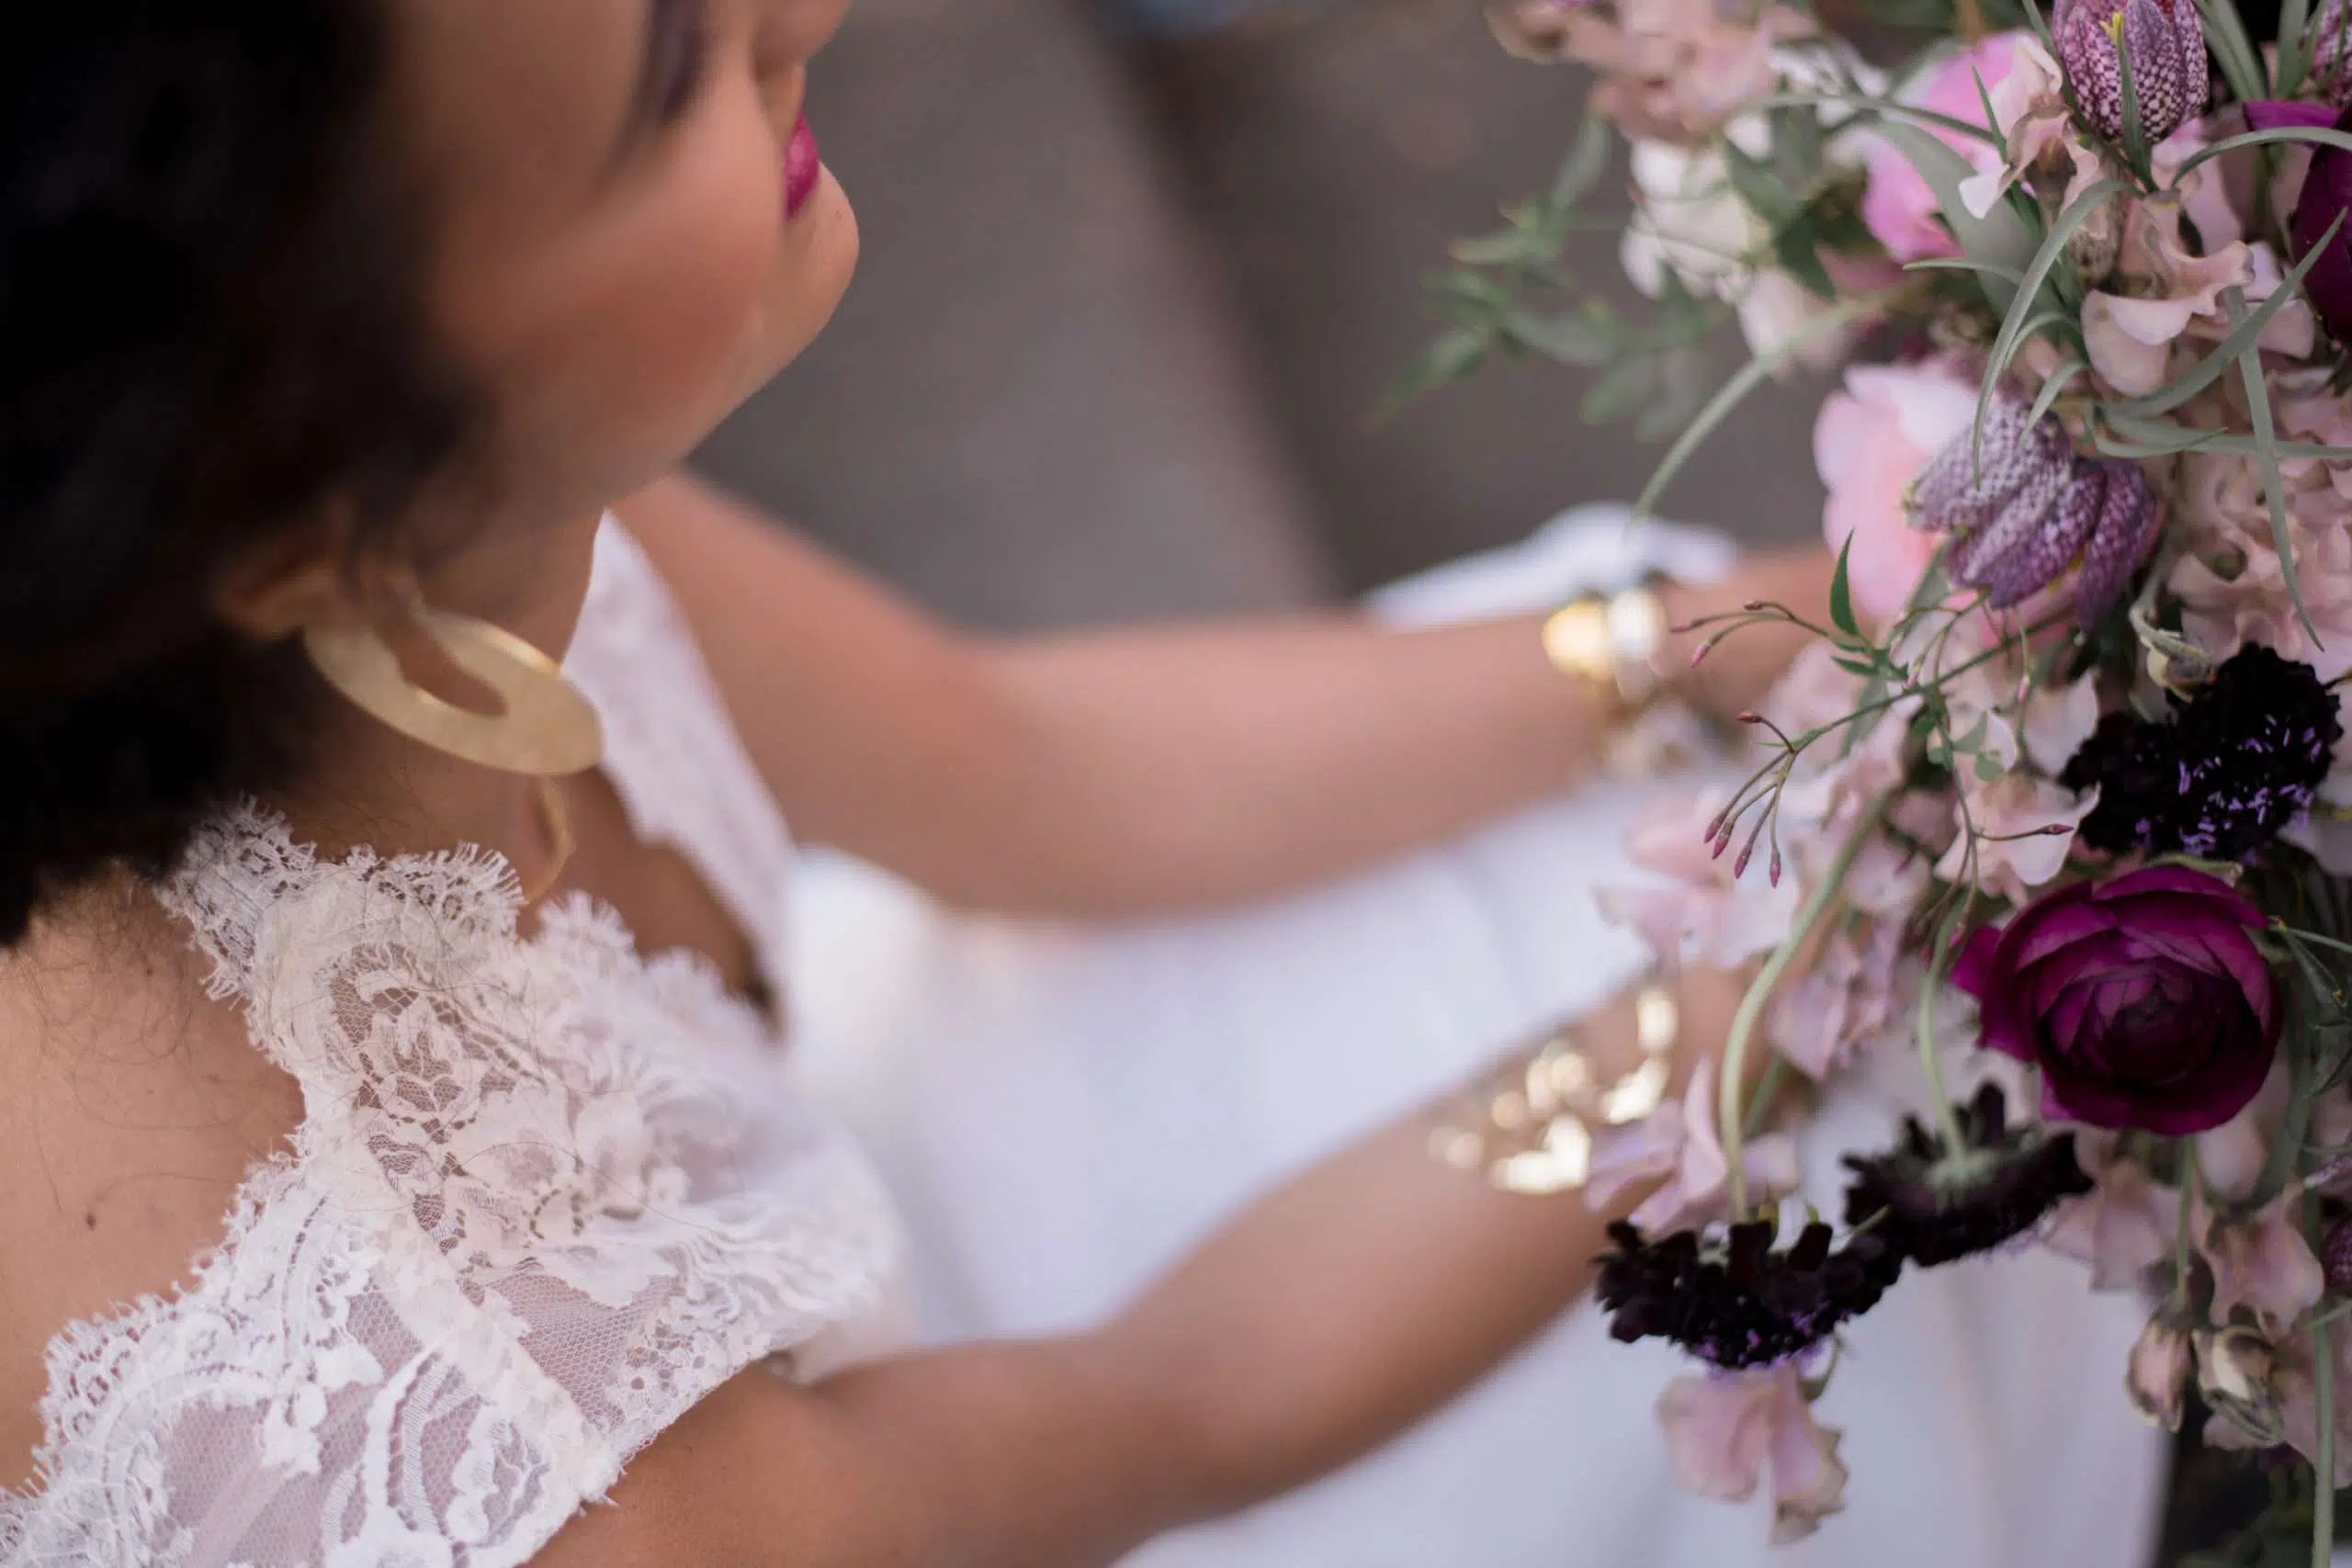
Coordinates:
(802, 169)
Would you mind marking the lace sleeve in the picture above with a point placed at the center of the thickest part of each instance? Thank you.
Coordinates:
(546, 1196)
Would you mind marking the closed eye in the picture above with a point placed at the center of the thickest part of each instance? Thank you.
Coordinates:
(678, 53)
(673, 66)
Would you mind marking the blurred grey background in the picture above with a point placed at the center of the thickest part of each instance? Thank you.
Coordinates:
(1130, 299)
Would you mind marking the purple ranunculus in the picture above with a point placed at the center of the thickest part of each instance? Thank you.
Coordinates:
(2327, 194)
(2143, 1000)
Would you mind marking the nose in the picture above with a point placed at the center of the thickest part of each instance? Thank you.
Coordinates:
(787, 34)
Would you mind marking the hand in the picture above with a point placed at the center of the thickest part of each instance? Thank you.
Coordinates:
(1735, 676)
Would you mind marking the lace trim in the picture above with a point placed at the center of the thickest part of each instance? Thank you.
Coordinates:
(547, 1194)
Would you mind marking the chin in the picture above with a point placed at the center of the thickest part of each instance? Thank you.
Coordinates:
(816, 271)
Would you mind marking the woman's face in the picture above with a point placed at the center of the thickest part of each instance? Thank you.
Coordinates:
(632, 231)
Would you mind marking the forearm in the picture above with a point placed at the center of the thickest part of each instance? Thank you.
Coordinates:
(1170, 769)
(1371, 1288)
(1131, 773)
(1112, 774)
(1330, 1315)
(1181, 768)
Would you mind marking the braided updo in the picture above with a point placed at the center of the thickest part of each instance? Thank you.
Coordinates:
(211, 332)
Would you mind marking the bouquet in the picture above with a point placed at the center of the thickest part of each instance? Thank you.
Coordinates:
(2060, 797)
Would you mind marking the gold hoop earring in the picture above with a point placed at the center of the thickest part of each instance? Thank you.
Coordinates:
(548, 728)
(555, 820)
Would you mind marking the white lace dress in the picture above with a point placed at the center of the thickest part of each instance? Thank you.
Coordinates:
(546, 1195)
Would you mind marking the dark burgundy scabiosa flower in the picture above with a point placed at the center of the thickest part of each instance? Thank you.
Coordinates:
(1935, 1206)
(1742, 1302)
(2024, 510)
(2164, 41)
(2143, 1000)
(2224, 775)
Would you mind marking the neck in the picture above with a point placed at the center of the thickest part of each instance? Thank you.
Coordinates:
(386, 792)
(372, 785)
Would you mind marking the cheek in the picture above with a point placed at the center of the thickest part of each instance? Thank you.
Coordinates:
(670, 335)
(616, 349)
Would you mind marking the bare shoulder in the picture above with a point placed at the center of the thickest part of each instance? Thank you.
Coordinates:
(135, 1107)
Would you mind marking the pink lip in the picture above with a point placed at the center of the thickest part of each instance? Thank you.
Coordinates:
(802, 167)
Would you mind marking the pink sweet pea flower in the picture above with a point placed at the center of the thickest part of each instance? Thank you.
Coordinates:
(1872, 442)
(1704, 914)
(2023, 829)
(1678, 1142)
(2126, 1227)
(2261, 1261)
(1724, 1430)
(1898, 208)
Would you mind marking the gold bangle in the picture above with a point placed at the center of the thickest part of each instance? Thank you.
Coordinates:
(1528, 1126)
(1612, 641)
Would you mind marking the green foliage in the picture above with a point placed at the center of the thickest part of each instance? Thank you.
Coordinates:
(1511, 296)
(2274, 486)
(1841, 593)
(2233, 48)
(2041, 297)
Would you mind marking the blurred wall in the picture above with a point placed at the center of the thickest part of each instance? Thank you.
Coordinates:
(1126, 309)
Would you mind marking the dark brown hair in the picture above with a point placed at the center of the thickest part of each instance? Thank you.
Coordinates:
(209, 332)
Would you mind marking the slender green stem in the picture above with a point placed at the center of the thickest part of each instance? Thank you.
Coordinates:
(1768, 1090)
(2187, 1206)
(1931, 1056)
(1880, 705)
(2287, 1143)
(1865, 104)
(2313, 937)
(1730, 1114)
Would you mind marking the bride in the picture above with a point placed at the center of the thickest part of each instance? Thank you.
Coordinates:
(398, 1159)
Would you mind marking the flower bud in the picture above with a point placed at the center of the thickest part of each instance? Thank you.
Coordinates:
(2331, 64)
(2097, 245)
(2157, 1378)
(2026, 510)
(2233, 1369)
(2164, 42)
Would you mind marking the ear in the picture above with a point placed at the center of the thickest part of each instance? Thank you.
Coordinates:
(303, 577)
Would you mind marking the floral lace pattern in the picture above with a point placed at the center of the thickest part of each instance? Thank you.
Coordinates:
(546, 1195)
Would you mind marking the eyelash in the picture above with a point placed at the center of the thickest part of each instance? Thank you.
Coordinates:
(693, 42)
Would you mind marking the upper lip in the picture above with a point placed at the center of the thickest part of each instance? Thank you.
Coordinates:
(798, 109)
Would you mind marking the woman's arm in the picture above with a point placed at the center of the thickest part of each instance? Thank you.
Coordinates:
(1131, 772)
(1338, 1310)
